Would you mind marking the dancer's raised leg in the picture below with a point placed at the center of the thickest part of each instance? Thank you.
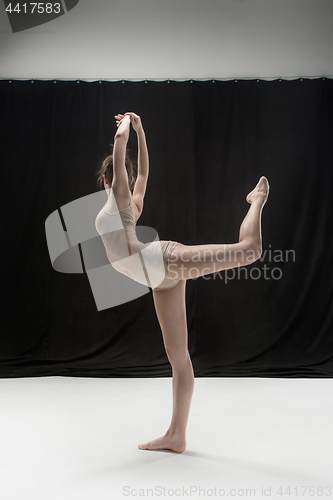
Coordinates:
(171, 312)
(191, 261)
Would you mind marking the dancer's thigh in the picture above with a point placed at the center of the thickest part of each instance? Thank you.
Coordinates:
(170, 308)
(192, 261)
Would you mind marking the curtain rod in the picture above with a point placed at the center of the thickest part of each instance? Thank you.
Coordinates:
(213, 80)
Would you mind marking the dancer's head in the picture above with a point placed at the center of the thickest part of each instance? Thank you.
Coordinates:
(105, 172)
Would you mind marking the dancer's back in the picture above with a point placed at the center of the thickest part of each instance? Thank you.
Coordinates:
(117, 229)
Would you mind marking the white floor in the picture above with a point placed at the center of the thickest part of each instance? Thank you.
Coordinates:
(64, 438)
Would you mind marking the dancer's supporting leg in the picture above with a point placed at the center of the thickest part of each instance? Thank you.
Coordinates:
(191, 261)
(171, 312)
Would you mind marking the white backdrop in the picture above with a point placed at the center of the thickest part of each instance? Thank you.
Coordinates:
(174, 39)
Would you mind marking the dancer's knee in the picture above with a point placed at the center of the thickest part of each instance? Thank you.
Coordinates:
(177, 358)
(254, 252)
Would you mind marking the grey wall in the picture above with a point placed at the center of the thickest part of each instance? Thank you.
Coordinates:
(174, 39)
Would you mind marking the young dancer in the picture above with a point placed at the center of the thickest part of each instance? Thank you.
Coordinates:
(165, 266)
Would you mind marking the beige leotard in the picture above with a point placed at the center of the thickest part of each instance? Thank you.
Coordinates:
(146, 263)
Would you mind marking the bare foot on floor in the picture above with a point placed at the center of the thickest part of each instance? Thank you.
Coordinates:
(165, 443)
(260, 191)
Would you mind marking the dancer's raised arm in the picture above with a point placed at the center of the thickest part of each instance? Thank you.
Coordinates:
(120, 176)
(143, 161)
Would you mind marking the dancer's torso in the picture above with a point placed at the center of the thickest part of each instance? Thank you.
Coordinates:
(117, 229)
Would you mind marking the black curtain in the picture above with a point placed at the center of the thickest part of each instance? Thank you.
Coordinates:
(209, 142)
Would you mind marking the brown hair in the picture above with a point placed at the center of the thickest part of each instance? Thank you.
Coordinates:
(107, 169)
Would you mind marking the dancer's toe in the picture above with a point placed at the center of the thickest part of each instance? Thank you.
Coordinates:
(260, 192)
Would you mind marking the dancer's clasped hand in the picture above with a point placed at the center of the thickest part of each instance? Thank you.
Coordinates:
(134, 119)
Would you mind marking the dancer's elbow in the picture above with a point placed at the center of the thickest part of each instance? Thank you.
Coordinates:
(120, 135)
